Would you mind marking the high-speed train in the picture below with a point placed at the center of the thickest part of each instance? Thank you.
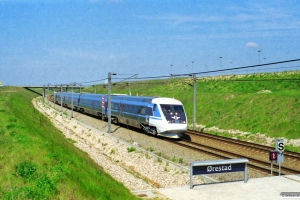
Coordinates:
(155, 115)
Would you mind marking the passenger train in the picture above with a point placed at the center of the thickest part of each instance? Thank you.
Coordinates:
(155, 115)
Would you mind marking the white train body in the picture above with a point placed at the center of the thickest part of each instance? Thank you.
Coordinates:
(171, 123)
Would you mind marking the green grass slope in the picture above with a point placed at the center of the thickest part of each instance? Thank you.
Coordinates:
(37, 162)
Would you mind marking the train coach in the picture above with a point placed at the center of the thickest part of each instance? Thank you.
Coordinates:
(155, 115)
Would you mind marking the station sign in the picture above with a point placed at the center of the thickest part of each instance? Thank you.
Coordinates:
(216, 169)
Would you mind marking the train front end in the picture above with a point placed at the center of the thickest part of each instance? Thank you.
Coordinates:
(173, 123)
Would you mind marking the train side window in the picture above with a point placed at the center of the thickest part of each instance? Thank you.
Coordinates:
(125, 108)
(129, 108)
(136, 109)
(142, 111)
(90, 102)
(132, 108)
(114, 106)
(154, 107)
(149, 111)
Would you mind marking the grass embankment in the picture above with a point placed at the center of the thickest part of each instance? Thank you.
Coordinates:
(266, 103)
(37, 162)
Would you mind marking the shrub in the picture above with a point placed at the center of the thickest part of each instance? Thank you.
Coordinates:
(130, 149)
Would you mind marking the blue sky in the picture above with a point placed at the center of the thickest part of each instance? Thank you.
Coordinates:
(59, 42)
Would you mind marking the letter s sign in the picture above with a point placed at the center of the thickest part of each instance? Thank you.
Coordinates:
(280, 147)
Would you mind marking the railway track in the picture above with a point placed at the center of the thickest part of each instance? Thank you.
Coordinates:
(262, 165)
(257, 147)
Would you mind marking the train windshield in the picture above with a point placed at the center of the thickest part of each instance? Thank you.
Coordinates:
(173, 113)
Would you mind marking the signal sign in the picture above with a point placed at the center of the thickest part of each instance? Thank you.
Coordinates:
(273, 155)
(280, 149)
(102, 103)
(279, 145)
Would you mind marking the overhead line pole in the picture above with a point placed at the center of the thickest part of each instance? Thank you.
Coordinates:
(109, 103)
(44, 92)
(72, 101)
(61, 97)
(54, 97)
(194, 103)
(48, 93)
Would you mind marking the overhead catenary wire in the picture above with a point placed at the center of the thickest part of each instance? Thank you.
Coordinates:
(212, 71)
(269, 69)
(188, 74)
(245, 67)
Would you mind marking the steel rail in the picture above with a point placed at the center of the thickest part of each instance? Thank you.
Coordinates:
(254, 163)
(288, 154)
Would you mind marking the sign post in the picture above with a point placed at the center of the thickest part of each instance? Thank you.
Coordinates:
(280, 149)
(272, 157)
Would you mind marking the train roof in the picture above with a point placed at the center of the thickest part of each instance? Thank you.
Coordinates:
(165, 100)
(122, 97)
(133, 98)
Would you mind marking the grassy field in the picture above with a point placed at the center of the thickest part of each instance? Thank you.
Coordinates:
(37, 162)
(266, 103)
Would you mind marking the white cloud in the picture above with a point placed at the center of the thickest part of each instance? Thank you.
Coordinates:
(252, 45)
